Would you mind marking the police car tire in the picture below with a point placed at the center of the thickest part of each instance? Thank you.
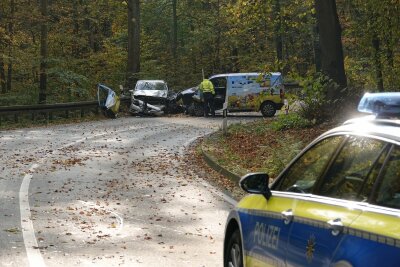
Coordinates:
(234, 240)
(268, 109)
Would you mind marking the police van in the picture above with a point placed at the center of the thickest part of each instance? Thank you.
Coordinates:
(242, 92)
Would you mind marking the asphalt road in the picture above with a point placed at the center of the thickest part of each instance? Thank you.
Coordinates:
(109, 193)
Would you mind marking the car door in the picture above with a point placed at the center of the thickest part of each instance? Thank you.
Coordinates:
(266, 223)
(320, 221)
(264, 231)
(235, 94)
(220, 84)
(373, 239)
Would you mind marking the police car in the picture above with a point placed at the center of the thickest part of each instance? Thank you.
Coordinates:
(336, 204)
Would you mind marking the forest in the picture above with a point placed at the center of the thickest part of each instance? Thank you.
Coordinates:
(55, 51)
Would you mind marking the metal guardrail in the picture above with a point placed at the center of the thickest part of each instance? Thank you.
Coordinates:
(49, 109)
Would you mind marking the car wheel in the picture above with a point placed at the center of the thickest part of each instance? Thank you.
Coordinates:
(268, 109)
(198, 110)
(233, 251)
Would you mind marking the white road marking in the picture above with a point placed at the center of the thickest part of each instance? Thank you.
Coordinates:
(33, 252)
(35, 258)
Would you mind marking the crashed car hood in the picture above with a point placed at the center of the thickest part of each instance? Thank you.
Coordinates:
(151, 93)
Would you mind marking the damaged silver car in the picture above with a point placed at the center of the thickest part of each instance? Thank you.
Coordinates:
(150, 97)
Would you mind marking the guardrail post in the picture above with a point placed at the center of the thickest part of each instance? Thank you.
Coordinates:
(82, 112)
(50, 116)
(16, 118)
(33, 116)
(1, 117)
(67, 114)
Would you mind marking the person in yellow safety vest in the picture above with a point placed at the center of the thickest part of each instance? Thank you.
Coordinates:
(207, 88)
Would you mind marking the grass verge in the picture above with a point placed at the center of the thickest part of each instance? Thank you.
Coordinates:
(260, 146)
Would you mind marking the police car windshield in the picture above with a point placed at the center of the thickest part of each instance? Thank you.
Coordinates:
(150, 85)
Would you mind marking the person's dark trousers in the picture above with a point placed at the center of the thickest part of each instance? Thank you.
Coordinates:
(208, 104)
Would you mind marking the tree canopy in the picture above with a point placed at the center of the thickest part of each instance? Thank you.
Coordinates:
(87, 43)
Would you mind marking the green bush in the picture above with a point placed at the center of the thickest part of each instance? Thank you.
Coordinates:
(290, 121)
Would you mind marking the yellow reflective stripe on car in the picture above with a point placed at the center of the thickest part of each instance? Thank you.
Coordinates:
(323, 212)
(257, 260)
(274, 204)
(378, 226)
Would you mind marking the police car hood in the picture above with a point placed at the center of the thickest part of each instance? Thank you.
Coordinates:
(151, 93)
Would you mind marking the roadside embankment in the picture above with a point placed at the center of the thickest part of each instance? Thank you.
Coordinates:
(255, 147)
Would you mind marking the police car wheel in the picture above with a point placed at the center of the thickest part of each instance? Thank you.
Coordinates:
(234, 253)
(268, 109)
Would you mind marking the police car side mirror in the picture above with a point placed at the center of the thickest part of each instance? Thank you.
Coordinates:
(256, 183)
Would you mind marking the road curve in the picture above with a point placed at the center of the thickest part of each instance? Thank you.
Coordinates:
(108, 193)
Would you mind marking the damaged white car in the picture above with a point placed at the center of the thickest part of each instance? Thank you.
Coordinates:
(152, 97)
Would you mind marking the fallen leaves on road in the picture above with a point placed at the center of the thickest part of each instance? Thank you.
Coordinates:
(13, 230)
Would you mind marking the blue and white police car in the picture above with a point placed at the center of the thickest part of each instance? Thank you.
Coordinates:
(336, 204)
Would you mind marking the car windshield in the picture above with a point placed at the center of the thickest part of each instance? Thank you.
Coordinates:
(150, 85)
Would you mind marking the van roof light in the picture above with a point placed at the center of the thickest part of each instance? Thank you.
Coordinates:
(381, 104)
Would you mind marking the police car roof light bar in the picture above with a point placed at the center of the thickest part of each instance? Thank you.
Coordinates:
(383, 105)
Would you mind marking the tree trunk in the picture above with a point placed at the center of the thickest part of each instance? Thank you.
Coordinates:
(235, 60)
(316, 47)
(174, 30)
(389, 46)
(278, 31)
(75, 46)
(43, 52)
(2, 72)
(90, 30)
(133, 62)
(2, 77)
(217, 62)
(332, 63)
(11, 46)
(378, 63)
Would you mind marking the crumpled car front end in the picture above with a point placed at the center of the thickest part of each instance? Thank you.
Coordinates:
(149, 97)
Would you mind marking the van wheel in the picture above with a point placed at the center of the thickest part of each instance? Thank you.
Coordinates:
(268, 109)
(198, 110)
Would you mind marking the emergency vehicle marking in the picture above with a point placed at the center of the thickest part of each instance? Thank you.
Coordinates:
(352, 231)
(265, 260)
(266, 235)
(310, 248)
(262, 213)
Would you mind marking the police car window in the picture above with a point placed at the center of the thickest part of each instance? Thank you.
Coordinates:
(354, 170)
(301, 176)
(388, 193)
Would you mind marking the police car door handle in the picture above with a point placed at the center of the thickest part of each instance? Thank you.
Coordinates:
(336, 226)
(287, 216)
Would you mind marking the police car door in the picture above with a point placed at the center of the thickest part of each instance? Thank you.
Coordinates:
(266, 224)
(319, 221)
(264, 233)
(373, 239)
